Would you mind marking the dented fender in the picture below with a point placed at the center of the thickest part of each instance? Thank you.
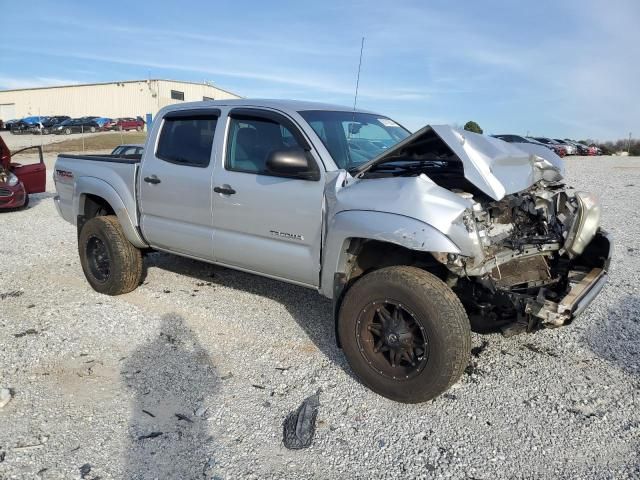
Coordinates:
(382, 226)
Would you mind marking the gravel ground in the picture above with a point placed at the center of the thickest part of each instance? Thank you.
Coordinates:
(215, 359)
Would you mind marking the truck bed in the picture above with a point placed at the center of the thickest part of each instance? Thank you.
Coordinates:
(95, 174)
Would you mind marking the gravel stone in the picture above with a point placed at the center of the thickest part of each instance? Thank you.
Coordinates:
(555, 404)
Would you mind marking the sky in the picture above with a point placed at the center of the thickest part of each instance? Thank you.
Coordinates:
(564, 68)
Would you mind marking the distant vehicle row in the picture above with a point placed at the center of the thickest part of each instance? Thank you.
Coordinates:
(560, 147)
(62, 124)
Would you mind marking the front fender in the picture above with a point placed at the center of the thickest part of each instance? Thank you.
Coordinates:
(94, 186)
(385, 227)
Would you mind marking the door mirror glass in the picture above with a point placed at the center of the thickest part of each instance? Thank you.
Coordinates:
(293, 163)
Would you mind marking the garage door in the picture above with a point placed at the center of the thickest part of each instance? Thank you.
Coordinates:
(7, 111)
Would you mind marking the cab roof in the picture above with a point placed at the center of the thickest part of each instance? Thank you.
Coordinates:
(282, 105)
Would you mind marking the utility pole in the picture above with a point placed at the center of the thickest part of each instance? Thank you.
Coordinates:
(629, 144)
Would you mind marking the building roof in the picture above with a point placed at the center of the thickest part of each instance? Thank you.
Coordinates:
(117, 82)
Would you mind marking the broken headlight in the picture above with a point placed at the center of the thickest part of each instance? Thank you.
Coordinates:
(585, 224)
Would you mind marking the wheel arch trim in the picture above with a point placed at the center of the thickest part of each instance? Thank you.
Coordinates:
(99, 188)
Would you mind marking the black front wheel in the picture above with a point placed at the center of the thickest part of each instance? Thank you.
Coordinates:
(111, 264)
(405, 333)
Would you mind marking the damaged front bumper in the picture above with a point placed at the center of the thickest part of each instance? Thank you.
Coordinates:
(584, 287)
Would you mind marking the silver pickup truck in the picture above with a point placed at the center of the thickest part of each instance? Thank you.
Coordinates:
(416, 237)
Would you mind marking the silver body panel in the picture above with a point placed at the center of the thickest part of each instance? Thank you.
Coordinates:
(293, 230)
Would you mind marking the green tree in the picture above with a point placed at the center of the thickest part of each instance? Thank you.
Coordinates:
(472, 126)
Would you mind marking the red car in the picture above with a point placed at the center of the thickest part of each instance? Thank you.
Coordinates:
(18, 181)
(128, 123)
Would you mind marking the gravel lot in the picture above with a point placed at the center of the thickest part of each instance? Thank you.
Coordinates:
(232, 354)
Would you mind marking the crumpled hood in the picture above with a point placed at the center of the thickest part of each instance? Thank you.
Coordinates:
(494, 166)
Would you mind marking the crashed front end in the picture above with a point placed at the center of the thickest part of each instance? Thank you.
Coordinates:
(540, 258)
(531, 253)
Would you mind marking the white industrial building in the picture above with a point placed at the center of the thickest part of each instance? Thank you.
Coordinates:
(130, 98)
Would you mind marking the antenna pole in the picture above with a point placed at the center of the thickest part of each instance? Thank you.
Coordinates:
(355, 99)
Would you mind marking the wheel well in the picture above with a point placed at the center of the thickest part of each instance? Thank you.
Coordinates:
(365, 255)
(94, 206)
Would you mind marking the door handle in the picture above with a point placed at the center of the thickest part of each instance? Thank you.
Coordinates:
(152, 179)
(225, 190)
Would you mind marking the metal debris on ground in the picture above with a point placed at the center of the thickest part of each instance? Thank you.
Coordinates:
(30, 331)
(300, 426)
(13, 294)
(476, 351)
(150, 435)
(180, 416)
(85, 470)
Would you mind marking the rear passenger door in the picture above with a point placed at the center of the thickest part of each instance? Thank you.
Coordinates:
(175, 184)
(264, 223)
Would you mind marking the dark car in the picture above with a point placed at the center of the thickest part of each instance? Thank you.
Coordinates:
(24, 125)
(49, 123)
(76, 125)
(512, 138)
(128, 123)
(132, 150)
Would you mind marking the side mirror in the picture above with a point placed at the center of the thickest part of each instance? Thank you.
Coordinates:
(292, 163)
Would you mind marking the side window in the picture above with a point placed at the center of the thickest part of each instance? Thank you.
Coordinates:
(187, 140)
(251, 141)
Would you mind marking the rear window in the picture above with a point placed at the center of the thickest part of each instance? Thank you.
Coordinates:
(187, 140)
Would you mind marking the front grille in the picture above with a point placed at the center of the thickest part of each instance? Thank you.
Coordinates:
(5, 192)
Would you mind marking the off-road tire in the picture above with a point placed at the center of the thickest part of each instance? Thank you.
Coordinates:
(437, 310)
(125, 260)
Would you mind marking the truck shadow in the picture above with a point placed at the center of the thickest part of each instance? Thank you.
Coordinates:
(615, 337)
(171, 379)
(308, 308)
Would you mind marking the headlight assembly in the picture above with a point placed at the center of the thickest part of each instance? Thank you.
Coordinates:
(12, 180)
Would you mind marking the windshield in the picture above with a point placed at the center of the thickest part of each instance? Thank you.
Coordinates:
(353, 138)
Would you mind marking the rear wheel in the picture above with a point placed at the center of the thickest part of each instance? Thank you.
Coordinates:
(93, 129)
(67, 131)
(111, 264)
(138, 128)
(404, 333)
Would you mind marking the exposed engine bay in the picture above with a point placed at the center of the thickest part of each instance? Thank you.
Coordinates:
(540, 250)
(538, 256)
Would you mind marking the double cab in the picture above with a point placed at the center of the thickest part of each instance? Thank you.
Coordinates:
(416, 238)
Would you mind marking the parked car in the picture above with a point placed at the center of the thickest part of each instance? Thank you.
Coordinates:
(47, 124)
(559, 150)
(103, 122)
(129, 123)
(581, 149)
(131, 150)
(76, 125)
(569, 147)
(510, 138)
(17, 181)
(411, 241)
(25, 125)
(9, 123)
